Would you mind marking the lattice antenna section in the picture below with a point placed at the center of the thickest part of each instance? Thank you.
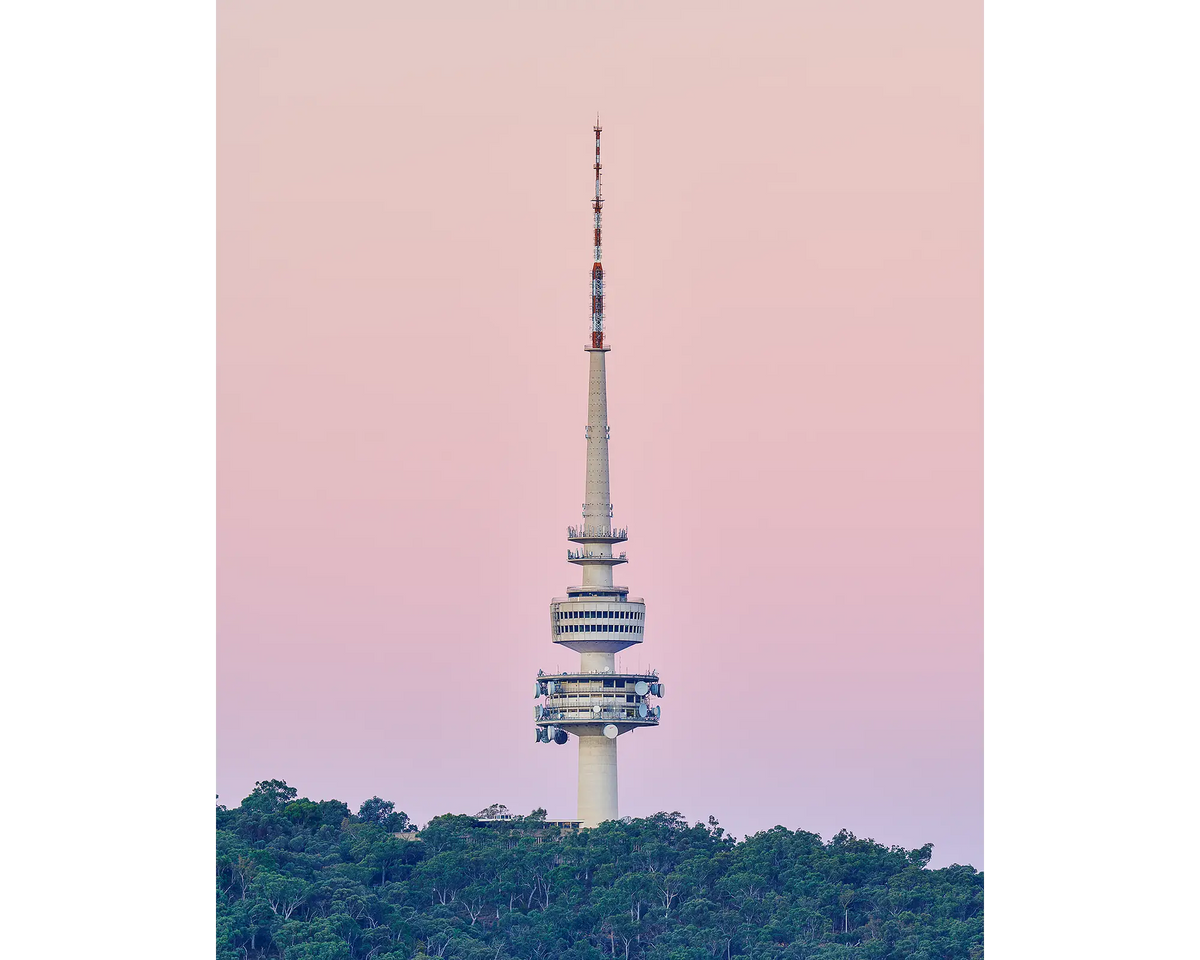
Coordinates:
(597, 254)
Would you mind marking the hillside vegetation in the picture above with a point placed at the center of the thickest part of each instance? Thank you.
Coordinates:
(304, 880)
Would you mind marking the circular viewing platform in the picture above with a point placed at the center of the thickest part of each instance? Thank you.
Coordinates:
(597, 676)
(581, 703)
(593, 535)
(588, 556)
(621, 715)
(605, 623)
(586, 591)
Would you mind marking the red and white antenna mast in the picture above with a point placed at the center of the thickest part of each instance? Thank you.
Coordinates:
(597, 256)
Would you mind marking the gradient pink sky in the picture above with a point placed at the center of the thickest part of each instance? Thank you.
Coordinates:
(793, 243)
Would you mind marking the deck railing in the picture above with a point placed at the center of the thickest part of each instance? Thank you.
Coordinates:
(606, 713)
(620, 533)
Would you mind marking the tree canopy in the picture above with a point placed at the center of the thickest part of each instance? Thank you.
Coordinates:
(299, 879)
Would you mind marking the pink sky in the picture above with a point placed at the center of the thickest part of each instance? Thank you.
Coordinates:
(793, 248)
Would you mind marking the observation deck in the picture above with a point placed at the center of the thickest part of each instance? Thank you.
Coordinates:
(596, 703)
(607, 622)
(598, 678)
(583, 556)
(597, 713)
(598, 590)
(586, 535)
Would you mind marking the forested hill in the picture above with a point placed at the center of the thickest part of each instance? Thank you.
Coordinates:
(304, 880)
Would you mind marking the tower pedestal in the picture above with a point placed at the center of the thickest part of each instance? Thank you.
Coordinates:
(597, 780)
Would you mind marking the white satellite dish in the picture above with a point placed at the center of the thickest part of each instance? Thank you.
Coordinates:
(643, 710)
(611, 731)
(641, 688)
(596, 709)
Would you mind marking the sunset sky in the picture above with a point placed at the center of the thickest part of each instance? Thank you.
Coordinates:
(793, 251)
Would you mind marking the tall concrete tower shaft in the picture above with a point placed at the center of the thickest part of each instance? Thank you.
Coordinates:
(597, 619)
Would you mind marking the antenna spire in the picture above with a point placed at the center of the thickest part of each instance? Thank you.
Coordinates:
(597, 254)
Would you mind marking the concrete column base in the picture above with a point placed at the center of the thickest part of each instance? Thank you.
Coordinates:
(597, 780)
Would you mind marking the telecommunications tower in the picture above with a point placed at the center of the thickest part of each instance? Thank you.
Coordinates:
(596, 704)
